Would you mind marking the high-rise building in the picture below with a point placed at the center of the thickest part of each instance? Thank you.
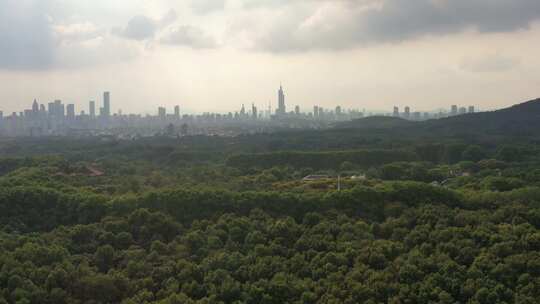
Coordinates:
(396, 112)
(321, 112)
(338, 111)
(162, 113)
(407, 113)
(177, 112)
(454, 110)
(92, 109)
(471, 109)
(56, 109)
(35, 106)
(50, 108)
(462, 110)
(106, 104)
(297, 110)
(254, 112)
(70, 111)
(281, 110)
(315, 111)
(243, 111)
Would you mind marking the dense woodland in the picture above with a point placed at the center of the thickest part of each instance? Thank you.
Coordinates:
(416, 217)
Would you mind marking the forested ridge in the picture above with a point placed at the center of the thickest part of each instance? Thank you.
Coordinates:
(380, 218)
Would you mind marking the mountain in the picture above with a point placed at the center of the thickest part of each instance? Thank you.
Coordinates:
(376, 122)
(519, 120)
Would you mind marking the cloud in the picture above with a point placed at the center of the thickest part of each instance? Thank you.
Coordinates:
(342, 24)
(143, 28)
(207, 6)
(490, 63)
(26, 35)
(77, 32)
(189, 36)
(139, 28)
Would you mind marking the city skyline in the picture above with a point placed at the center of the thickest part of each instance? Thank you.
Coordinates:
(280, 106)
(214, 55)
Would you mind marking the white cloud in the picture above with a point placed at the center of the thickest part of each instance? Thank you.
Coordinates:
(189, 36)
(489, 63)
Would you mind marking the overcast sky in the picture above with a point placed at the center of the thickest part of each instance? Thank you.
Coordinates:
(214, 55)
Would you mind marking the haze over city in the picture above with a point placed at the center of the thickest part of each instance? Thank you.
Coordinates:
(216, 55)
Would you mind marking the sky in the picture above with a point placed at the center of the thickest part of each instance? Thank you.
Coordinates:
(215, 55)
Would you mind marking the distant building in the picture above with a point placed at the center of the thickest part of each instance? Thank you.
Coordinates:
(92, 109)
(338, 111)
(471, 109)
(462, 110)
(316, 111)
(177, 112)
(71, 111)
(35, 106)
(162, 113)
(407, 113)
(106, 110)
(56, 109)
(454, 110)
(282, 109)
(297, 110)
(396, 112)
(254, 111)
(243, 111)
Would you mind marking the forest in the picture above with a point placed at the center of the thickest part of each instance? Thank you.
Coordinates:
(394, 215)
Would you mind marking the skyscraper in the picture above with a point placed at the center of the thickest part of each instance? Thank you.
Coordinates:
(338, 111)
(243, 111)
(71, 111)
(315, 111)
(35, 106)
(162, 113)
(396, 112)
(471, 109)
(106, 104)
(177, 112)
(454, 110)
(297, 110)
(407, 113)
(281, 110)
(92, 109)
(254, 112)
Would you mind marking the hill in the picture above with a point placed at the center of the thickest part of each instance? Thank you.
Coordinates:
(376, 122)
(519, 120)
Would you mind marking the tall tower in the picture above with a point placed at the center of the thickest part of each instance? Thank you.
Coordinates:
(106, 104)
(70, 111)
(92, 109)
(35, 106)
(254, 111)
(281, 110)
